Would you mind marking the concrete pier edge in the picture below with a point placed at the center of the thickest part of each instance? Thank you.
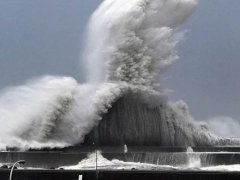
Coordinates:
(117, 175)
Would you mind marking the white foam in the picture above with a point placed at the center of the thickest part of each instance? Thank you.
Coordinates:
(96, 159)
(223, 168)
(134, 41)
(52, 112)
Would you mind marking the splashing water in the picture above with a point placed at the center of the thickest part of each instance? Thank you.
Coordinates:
(102, 163)
(135, 43)
(194, 160)
(130, 44)
(96, 159)
(52, 112)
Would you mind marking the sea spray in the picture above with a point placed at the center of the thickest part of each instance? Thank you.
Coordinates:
(52, 112)
(134, 41)
(96, 158)
(130, 43)
(194, 159)
(127, 46)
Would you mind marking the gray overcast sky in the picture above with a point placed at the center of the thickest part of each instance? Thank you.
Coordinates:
(44, 37)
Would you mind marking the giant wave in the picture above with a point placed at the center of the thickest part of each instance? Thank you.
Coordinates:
(130, 44)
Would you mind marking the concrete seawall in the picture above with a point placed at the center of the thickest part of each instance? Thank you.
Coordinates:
(115, 175)
(152, 155)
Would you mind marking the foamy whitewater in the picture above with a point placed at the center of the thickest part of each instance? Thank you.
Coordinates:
(130, 43)
(102, 163)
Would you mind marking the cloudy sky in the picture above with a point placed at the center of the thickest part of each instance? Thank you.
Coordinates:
(45, 37)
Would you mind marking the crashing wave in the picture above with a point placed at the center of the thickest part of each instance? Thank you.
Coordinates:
(130, 44)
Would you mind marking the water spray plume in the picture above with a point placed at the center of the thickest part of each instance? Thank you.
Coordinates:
(130, 43)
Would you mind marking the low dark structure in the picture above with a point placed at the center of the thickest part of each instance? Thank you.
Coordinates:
(115, 175)
(153, 155)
